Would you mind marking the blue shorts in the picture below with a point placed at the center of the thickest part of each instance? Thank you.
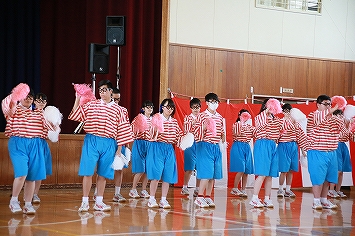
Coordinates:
(266, 162)
(288, 156)
(190, 158)
(139, 154)
(47, 156)
(100, 151)
(322, 166)
(344, 163)
(161, 162)
(208, 161)
(27, 158)
(241, 159)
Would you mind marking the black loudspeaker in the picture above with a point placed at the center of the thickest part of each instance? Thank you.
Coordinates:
(99, 55)
(115, 30)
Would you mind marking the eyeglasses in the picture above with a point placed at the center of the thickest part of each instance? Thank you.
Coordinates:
(103, 90)
(195, 107)
(149, 107)
(41, 101)
(169, 107)
(326, 104)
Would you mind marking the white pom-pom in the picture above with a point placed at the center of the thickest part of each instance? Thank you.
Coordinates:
(187, 141)
(222, 146)
(53, 136)
(127, 156)
(349, 111)
(297, 114)
(118, 163)
(53, 115)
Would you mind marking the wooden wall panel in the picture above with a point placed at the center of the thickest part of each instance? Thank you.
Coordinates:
(231, 73)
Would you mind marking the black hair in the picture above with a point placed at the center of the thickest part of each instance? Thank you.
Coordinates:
(116, 91)
(105, 82)
(322, 98)
(41, 96)
(240, 112)
(170, 104)
(145, 104)
(263, 105)
(338, 112)
(286, 107)
(211, 96)
(195, 101)
(31, 93)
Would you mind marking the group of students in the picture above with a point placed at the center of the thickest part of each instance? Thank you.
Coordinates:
(109, 134)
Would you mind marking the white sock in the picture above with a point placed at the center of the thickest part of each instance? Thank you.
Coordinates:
(323, 200)
(288, 188)
(117, 190)
(86, 199)
(14, 199)
(27, 204)
(152, 197)
(267, 198)
(281, 187)
(255, 197)
(99, 199)
(316, 200)
(163, 198)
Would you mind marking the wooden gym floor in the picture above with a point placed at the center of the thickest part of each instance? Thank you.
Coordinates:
(57, 215)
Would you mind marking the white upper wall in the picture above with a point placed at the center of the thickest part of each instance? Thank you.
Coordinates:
(239, 25)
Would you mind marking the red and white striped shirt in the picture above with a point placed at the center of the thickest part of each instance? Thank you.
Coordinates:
(242, 132)
(146, 134)
(189, 122)
(172, 132)
(206, 135)
(293, 133)
(268, 127)
(24, 122)
(323, 130)
(105, 120)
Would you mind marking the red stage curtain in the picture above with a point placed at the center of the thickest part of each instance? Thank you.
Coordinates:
(67, 29)
(230, 113)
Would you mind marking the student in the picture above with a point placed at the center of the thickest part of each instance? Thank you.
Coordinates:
(190, 153)
(141, 126)
(343, 157)
(161, 159)
(287, 151)
(208, 132)
(24, 128)
(323, 129)
(241, 160)
(101, 142)
(267, 132)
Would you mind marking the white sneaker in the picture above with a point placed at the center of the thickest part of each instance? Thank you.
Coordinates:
(101, 207)
(328, 205)
(29, 210)
(333, 194)
(200, 201)
(317, 205)
(268, 203)
(144, 194)
(341, 194)
(133, 193)
(185, 191)
(280, 193)
(290, 194)
(210, 202)
(84, 207)
(236, 191)
(164, 204)
(256, 203)
(15, 206)
(243, 193)
(36, 199)
(152, 203)
(118, 198)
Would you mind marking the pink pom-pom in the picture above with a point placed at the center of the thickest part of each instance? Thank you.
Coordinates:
(340, 100)
(352, 127)
(244, 117)
(140, 123)
(211, 126)
(20, 92)
(157, 122)
(85, 92)
(274, 106)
